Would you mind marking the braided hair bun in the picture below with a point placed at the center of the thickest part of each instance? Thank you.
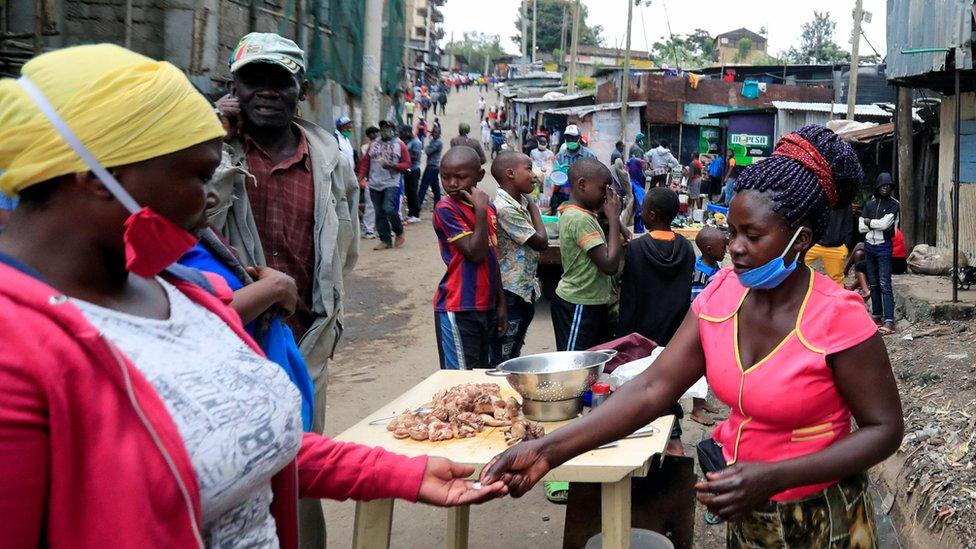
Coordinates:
(797, 191)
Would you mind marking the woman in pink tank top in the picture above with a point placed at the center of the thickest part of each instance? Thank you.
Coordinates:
(798, 360)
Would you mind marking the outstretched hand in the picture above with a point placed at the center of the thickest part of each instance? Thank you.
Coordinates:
(444, 485)
(520, 467)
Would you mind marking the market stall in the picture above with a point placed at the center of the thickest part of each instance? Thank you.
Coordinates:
(610, 467)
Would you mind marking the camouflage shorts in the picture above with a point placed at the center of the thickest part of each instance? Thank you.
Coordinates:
(839, 516)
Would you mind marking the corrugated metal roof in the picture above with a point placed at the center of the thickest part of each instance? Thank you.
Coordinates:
(563, 98)
(583, 110)
(834, 108)
(914, 24)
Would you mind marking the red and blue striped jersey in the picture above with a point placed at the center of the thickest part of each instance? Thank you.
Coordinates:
(466, 286)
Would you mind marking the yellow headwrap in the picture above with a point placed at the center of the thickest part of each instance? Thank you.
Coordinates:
(123, 106)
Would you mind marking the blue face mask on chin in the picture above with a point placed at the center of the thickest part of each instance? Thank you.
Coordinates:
(771, 274)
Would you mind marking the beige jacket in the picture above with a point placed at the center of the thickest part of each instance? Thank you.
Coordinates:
(336, 230)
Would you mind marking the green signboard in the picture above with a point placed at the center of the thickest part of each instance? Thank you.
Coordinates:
(709, 140)
(748, 147)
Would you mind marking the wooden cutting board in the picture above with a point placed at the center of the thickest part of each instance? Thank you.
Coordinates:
(632, 456)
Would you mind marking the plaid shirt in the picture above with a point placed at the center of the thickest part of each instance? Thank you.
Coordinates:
(282, 198)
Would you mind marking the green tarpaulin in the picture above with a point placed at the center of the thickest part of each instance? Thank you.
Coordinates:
(345, 46)
(394, 38)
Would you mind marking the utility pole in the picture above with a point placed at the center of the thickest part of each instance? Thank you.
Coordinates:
(625, 87)
(574, 49)
(855, 44)
(372, 56)
(535, 7)
(525, 34)
(562, 37)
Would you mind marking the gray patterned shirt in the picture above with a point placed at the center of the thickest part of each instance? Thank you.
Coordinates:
(238, 414)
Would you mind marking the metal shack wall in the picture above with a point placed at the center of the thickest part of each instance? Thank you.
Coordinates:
(927, 24)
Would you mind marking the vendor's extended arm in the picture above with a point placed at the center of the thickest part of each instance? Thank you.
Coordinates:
(643, 399)
(864, 379)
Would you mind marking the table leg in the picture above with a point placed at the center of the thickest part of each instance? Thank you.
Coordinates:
(615, 499)
(372, 527)
(457, 527)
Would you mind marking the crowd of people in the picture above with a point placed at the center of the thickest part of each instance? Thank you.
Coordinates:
(166, 361)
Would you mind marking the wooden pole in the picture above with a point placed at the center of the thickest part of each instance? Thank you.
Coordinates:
(625, 87)
(535, 8)
(955, 193)
(906, 176)
(855, 44)
(574, 49)
(562, 39)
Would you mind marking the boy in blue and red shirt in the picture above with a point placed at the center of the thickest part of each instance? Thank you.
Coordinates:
(469, 310)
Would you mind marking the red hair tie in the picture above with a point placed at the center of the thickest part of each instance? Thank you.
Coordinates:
(793, 145)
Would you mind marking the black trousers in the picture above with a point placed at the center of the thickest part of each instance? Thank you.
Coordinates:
(579, 327)
(411, 185)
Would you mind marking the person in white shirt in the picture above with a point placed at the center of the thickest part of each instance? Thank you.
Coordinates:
(343, 134)
(481, 107)
(542, 157)
(485, 132)
(662, 162)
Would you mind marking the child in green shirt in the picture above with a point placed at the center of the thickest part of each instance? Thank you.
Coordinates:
(580, 308)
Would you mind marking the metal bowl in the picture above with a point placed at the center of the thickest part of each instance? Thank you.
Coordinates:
(551, 377)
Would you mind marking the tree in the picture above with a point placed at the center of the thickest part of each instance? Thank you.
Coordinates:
(475, 47)
(744, 47)
(817, 44)
(549, 24)
(686, 51)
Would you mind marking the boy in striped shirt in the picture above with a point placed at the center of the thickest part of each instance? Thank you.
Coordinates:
(469, 309)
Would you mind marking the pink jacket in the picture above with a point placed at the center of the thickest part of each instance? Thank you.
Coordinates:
(89, 456)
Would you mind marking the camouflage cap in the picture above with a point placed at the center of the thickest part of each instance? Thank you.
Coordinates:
(266, 47)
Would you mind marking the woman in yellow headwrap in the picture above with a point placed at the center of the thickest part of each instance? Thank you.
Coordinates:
(134, 409)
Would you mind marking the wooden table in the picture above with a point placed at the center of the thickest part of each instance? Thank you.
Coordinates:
(611, 467)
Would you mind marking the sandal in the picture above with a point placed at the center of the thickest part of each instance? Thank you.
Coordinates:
(705, 419)
(884, 330)
(712, 519)
(556, 491)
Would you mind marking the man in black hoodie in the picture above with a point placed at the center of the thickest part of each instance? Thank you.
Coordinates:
(878, 222)
(656, 282)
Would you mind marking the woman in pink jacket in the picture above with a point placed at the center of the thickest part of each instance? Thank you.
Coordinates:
(135, 410)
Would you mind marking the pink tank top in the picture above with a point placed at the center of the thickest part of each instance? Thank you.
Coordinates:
(786, 405)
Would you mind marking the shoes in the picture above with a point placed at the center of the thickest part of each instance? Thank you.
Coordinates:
(413, 219)
(369, 235)
(398, 241)
(382, 246)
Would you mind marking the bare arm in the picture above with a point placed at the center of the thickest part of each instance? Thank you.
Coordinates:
(607, 256)
(474, 247)
(270, 288)
(539, 241)
(865, 381)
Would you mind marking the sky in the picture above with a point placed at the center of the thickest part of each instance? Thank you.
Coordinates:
(783, 18)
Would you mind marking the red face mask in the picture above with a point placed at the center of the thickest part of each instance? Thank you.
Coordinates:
(152, 242)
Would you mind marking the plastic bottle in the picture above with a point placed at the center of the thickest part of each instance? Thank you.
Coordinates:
(601, 391)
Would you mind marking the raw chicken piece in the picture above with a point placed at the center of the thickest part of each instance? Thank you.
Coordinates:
(418, 431)
(492, 421)
(523, 430)
(438, 430)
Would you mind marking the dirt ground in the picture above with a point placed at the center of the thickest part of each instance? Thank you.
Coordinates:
(389, 346)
